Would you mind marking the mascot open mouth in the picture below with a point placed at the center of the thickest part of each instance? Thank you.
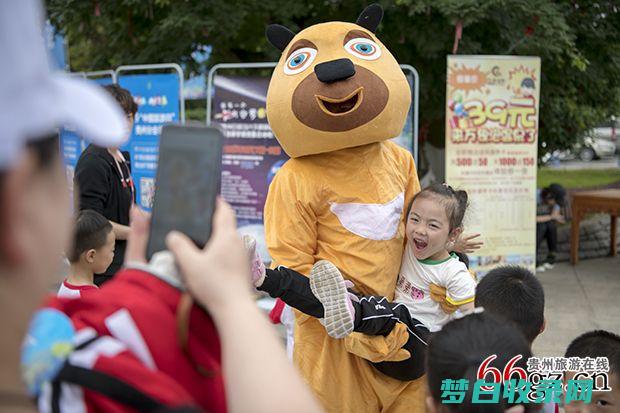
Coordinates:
(339, 107)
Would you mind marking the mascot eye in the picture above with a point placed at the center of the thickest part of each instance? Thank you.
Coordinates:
(299, 60)
(363, 48)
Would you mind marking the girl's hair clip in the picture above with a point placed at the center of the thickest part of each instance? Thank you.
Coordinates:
(458, 314)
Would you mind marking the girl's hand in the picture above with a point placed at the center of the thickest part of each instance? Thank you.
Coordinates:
(466, 244)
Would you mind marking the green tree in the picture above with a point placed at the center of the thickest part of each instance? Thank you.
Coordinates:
(577, 40)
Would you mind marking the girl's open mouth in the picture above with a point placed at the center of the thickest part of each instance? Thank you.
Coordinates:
(419, 245)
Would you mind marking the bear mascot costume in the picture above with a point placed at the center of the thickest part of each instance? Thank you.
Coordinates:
(336, 98)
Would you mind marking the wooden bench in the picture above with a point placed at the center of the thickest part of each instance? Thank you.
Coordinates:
(605, 201)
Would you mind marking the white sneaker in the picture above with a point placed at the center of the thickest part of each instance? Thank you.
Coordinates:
(257, 267)
(549, 266)
(541, 268)
(329, 287)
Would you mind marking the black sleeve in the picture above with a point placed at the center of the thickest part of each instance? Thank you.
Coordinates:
(294, 289)
(92, 178)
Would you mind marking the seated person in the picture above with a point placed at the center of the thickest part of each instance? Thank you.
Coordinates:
(598, 343)
(92, 253)
(549, 212)
(434, 221)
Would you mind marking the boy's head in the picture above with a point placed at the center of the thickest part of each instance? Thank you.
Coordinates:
(515, 294)
(93, 241)
(595, 344)
(457, 351)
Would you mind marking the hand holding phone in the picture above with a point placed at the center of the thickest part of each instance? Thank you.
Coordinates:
(187, 185)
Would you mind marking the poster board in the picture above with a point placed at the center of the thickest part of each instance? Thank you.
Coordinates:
(491, 152)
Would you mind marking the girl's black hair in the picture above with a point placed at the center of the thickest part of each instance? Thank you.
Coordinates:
(456, 202)
(457, 351)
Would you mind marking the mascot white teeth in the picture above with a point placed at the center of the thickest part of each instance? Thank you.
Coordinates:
(335, 99)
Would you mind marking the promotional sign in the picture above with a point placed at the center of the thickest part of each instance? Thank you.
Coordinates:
(491, 151)
(251, 154)
(158, 99)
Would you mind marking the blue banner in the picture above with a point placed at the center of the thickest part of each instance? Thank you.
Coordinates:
(157, 96)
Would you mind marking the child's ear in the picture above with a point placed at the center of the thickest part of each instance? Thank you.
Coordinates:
(455, 233)
(543, 326)
(90, 255)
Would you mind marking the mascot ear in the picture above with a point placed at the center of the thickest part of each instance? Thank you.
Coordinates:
(370, 17)
(279, 36)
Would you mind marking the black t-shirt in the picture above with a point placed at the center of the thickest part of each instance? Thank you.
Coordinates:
(107, 189)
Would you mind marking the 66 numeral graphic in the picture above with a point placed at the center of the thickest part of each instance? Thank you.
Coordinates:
(500, 376)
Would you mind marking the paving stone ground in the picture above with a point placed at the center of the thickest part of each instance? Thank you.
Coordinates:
(579, 299)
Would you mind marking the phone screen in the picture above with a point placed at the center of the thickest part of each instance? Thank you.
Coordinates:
(188, 181)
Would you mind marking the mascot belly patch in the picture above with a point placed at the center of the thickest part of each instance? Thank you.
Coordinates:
(372, 221)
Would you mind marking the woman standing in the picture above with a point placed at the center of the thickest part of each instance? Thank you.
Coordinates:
(104, 184)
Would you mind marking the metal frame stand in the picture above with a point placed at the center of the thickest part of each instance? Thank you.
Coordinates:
(158, 66)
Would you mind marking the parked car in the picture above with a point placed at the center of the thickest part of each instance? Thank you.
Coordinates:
(608, 131)
(595, 147)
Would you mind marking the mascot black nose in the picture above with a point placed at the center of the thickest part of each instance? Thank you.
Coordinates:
(334, 70)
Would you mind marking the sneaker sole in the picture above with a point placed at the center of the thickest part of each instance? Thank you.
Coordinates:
(328, 286)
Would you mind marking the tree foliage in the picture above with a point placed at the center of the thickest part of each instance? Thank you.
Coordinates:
(577, 40)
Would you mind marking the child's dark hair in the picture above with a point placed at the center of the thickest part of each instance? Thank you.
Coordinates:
(124, 98)
(515, 294)
(597, 343)
(455, 202)
(555, 192)
(458, 349)
(91, 232)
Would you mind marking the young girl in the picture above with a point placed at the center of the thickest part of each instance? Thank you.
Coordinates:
(434, 221)
(456, 352)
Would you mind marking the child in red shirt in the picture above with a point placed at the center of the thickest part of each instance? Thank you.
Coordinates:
(92, 253)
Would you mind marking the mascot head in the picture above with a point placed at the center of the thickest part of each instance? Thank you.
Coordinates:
(336, 86)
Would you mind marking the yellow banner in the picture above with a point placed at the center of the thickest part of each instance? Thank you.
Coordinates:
(491, 151)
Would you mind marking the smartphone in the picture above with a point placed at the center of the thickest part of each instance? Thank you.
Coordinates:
(187, 185)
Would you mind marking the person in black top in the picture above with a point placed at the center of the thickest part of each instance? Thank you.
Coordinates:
(104, 184)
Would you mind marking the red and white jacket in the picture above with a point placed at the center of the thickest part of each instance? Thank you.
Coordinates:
(140, 344)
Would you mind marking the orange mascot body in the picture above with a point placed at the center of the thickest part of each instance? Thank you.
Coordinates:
(335, 99)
